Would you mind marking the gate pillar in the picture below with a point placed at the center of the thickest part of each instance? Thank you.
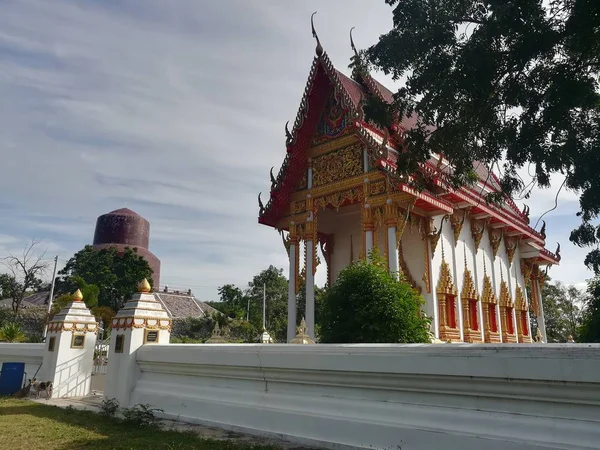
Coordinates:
(69, 351)
(142, 321)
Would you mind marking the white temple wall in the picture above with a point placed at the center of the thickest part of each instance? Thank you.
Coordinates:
(484, 256)
(382, 396)
(414, 256)
(344, 229)
(501, 267)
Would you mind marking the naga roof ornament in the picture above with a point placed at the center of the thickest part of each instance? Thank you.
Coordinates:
(319, 49)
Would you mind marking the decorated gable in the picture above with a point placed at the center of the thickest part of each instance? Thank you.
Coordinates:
(333, 121)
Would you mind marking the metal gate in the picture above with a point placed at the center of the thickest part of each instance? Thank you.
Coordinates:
(100, 360)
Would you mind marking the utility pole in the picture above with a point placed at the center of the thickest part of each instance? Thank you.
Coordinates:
(264, 306)
(51, 293)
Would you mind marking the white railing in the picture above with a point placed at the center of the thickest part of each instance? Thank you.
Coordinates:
(466, 396)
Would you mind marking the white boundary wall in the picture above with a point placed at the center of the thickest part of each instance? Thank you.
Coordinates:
(30, 354)
(458, 396)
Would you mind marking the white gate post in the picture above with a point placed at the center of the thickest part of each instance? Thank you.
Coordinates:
(69, 352)
(141, 321)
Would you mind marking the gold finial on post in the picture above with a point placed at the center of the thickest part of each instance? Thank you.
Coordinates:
(77, 296)
(302, 337)
(143, 286)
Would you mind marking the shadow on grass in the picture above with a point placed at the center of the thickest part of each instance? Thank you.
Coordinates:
(71, 429)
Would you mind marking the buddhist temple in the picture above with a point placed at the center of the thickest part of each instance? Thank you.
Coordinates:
(338, 191)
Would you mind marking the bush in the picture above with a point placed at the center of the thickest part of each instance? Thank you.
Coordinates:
(110, 407)
(368, 305)
(141, 415)
(12, 332)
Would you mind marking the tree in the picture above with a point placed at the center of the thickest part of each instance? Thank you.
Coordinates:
(232, 302)
(24, 274)
(276, 296)
(562, 311)
(589, 331)
(368, 305)
(490, 81)
(115, 274)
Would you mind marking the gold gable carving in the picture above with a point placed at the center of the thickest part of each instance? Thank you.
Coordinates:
(445, 284)
(505, 299)
(468, 291)
(520, 299)
(488, 295)
(337, 165)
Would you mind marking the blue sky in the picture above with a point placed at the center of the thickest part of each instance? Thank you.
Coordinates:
(175, 110)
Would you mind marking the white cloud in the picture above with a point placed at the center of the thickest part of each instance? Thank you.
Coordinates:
(174, 109)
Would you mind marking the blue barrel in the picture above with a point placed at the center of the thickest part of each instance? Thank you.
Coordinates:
(11, 377)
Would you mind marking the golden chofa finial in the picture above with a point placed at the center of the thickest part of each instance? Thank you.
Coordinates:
(143, 286)
(77, 296)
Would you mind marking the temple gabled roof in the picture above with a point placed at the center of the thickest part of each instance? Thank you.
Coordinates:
(322, 78)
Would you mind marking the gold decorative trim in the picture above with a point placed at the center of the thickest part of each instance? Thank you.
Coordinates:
(488, 304)
(88, 327)
(511, 246)
(336, 144)
(456, 222)
(78, 340)
(447, 293)
(477, 232)
(495, 239)
(337, 166)
(470, 299)
(152, 323)
(427, 262)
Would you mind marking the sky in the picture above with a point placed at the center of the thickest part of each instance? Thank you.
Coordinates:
(175, 110)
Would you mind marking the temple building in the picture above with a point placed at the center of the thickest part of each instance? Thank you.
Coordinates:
(338, 190)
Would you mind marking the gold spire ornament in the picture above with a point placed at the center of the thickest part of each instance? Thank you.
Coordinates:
(143, 286)
(77, 296)
(302, 337)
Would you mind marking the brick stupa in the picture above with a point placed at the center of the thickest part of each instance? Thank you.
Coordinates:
(124, 228)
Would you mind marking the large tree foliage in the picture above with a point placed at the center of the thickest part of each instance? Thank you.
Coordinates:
(368, 305)
(562, 311)
(589, 331)
(512, 81)
(24, 275)
(116, 275)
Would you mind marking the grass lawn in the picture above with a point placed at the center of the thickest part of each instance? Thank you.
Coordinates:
(25, 425)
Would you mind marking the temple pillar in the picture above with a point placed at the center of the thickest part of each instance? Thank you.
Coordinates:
(540, 317)
(391, 223)
(368, 228)
(310, 287)
(291, 326)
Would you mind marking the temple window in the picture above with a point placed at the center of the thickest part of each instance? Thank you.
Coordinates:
(510, 328)
(473, 316)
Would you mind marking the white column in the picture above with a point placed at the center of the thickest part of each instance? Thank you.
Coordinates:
(69, 353)
(368, 242)
(309, 178)
(365, 161)
(310, 289)
(540, 319)
(291, 329)
(393, 252)
(142, 321)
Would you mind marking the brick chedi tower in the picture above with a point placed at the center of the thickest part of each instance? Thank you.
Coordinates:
(124, 228)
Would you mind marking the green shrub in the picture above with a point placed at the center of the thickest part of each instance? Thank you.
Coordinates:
(368, 305)
(141, 415)
(12, 332)
(110, 407)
